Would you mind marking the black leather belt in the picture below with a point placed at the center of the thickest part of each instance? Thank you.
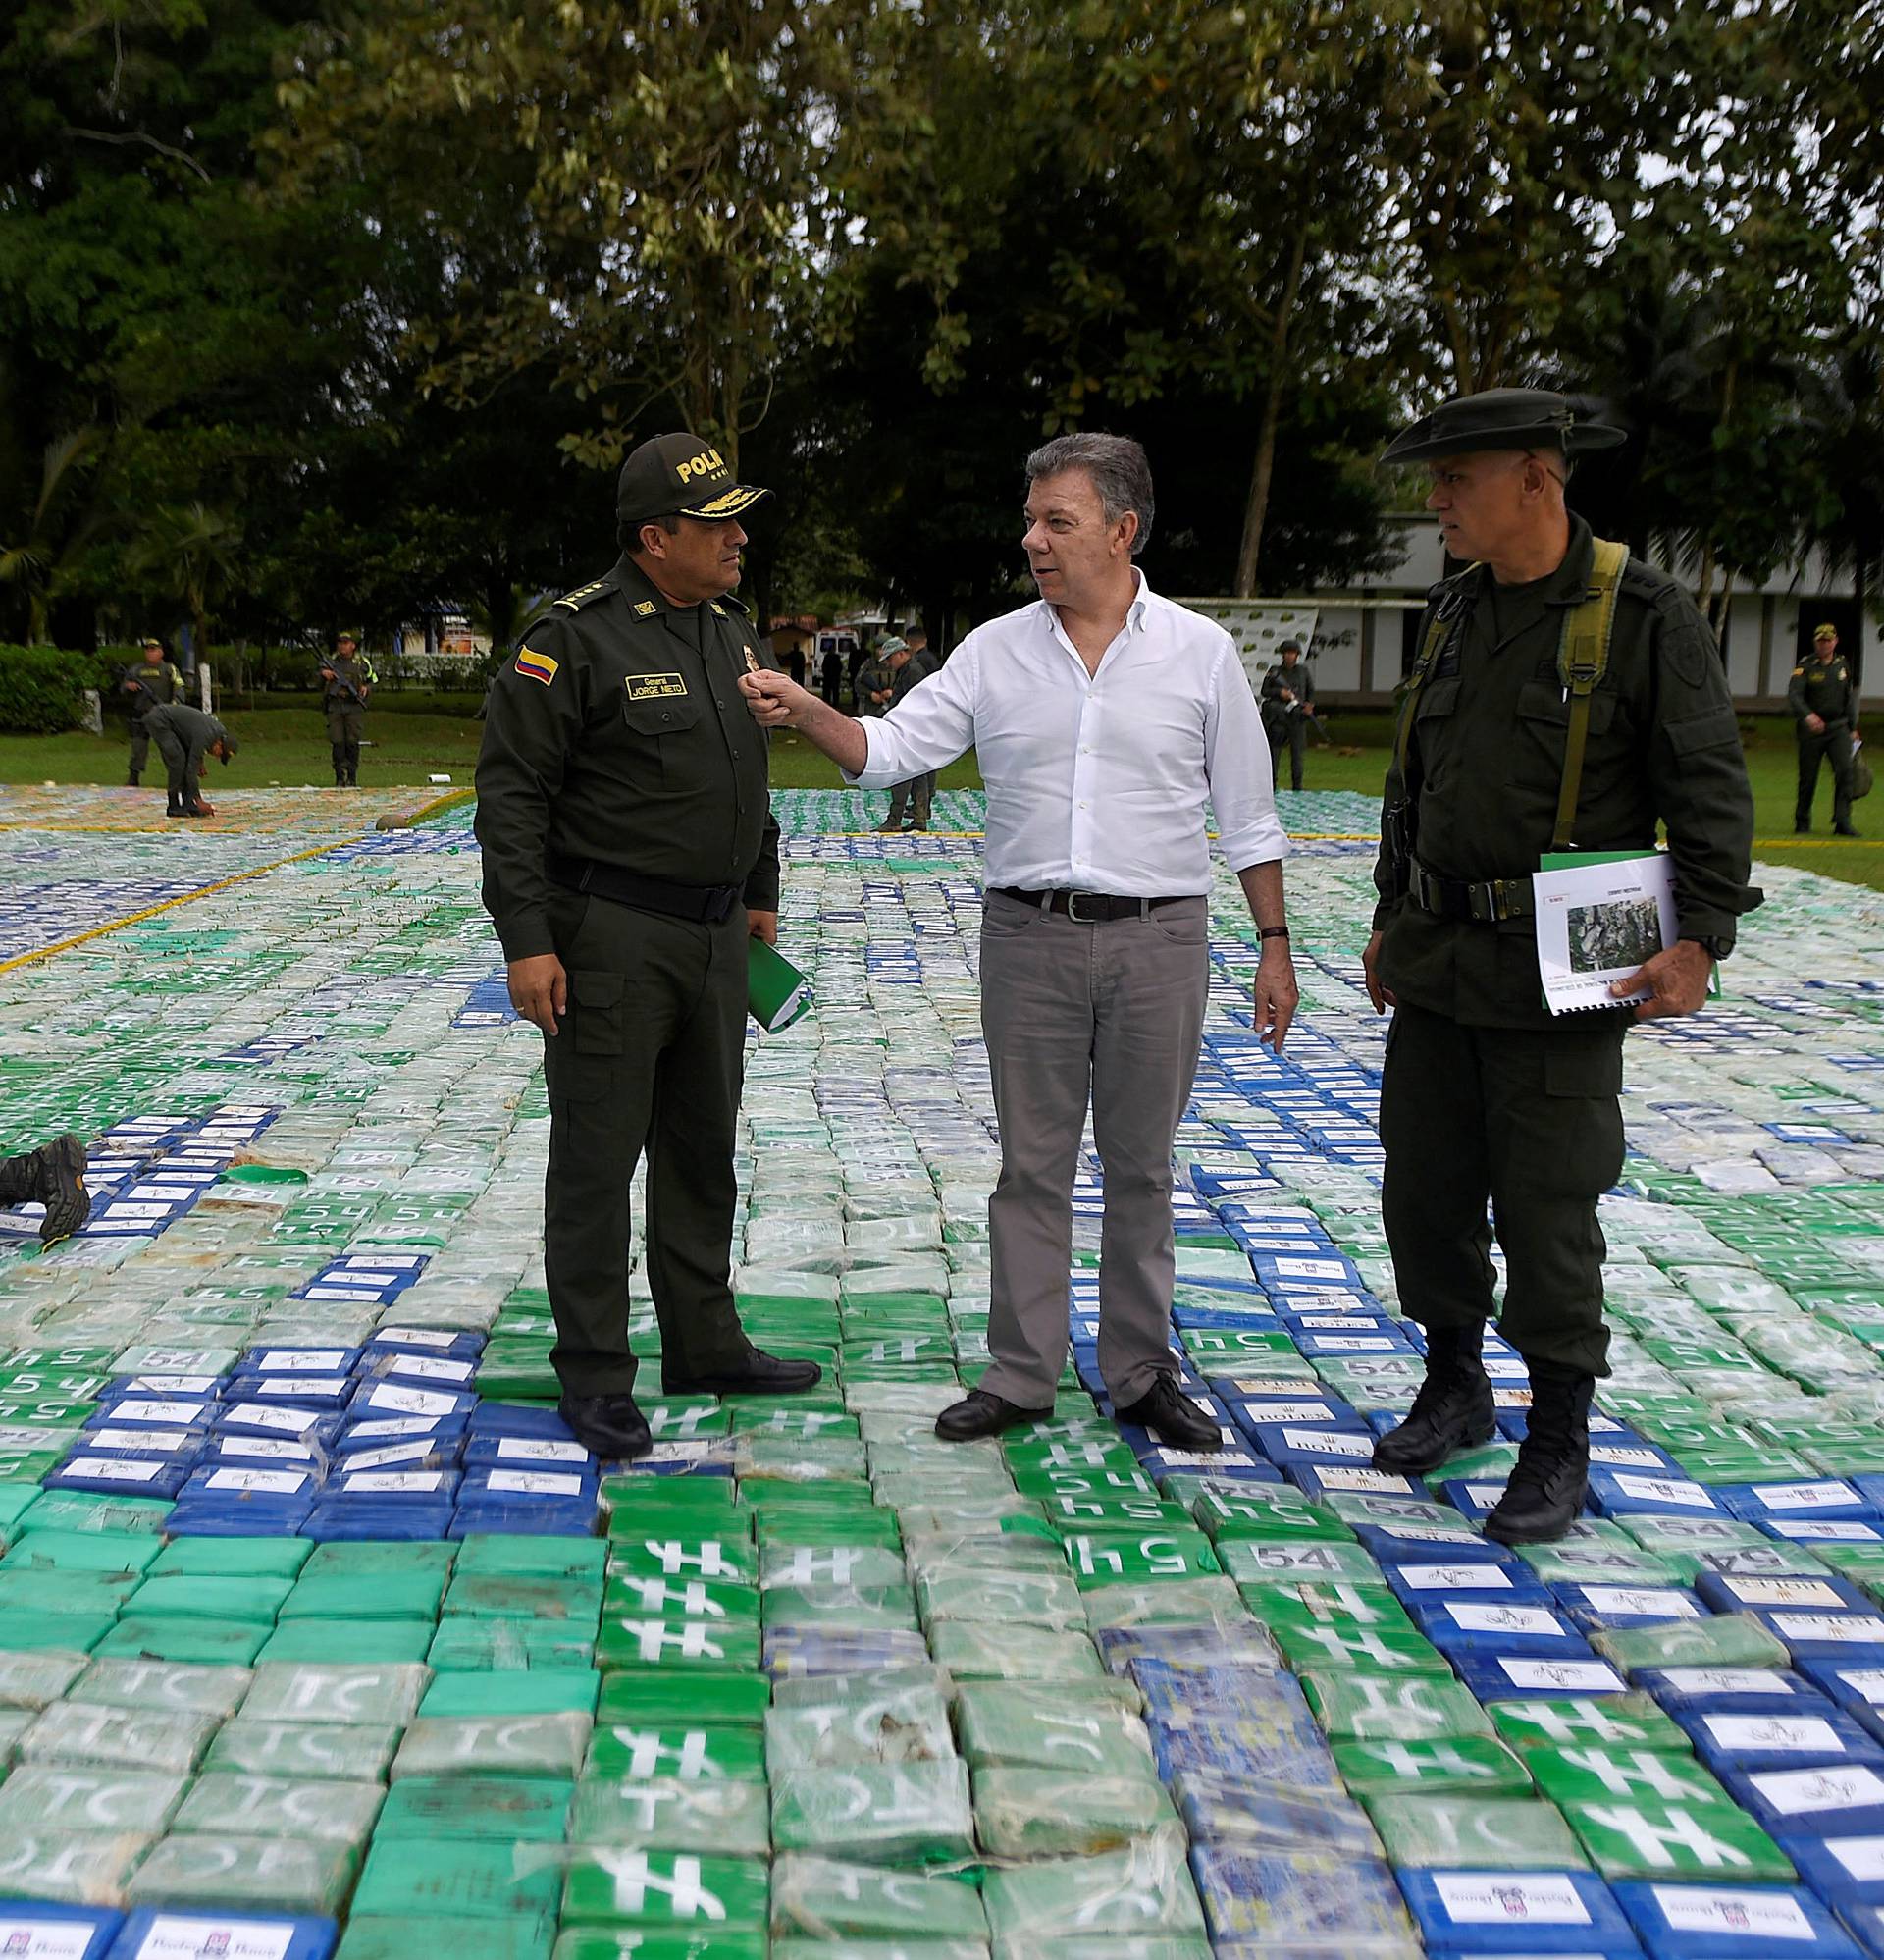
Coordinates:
(705, 903)
(1086, 908)
(1485, 903)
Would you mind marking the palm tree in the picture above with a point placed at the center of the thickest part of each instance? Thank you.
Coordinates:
(192, 553)
(48, 525)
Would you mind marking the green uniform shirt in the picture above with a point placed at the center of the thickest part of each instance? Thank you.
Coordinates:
(1298, 679)
(874, 677)
(1823, 688)
(619, 733)
(352, 676)
(157, 686)
(1484, 763)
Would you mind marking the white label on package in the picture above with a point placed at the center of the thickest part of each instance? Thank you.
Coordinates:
(1792, 1791)
(1509, 1898)
(1455, 1578)
(175, 1936)
(160, 1440)
(1490, 1618)
(413, 1337)
(301, 1362)
(167, 1413)
(269, 1449)
(23, 1938)
(1661, 1602)
(1566, 1676)
(1783, 1592)
(1766, 1915)
(112, 1469)
(431, 1369)
(538, 1450)
(394, 1481)
(1788, 1733)
(284, 1483)
(411, 1402)
(1862, 1857)
(294, 1419)
(1803, 1497)
(535, 1483)
(1858, 1629)
(1664, 1490)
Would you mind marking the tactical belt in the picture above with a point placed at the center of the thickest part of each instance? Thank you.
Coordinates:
(705, 903)
(1086, 908)
(1487, 903)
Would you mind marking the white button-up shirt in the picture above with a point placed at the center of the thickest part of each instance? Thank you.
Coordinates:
(1096, 783)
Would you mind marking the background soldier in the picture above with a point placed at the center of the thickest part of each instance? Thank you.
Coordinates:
(1289, 706)
(1500, 756)
(347, 681)
(629, 852)
(909, 802)
(1824, 699)
(153, 682)
(186, 738)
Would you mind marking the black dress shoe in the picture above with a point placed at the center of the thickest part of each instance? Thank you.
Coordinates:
(1846, 830)
(759, 1374)
(981, 1414)
(1173, 1418)
(611, 1425)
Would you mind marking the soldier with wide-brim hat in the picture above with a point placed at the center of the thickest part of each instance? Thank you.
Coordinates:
(1564, 697)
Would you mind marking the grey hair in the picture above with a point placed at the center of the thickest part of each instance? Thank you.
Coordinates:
(1120, 470)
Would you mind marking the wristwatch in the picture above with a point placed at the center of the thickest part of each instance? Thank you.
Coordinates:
(1716, 945)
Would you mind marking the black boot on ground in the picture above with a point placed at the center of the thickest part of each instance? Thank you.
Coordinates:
(172, 805)
(1551, 1477)
(611, 1425)
(1452, 1412)
(55, 1176)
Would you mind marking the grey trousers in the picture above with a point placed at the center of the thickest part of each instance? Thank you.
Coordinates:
(912, 799)
(1110, 1014)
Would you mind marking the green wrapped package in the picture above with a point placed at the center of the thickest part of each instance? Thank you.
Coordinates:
(1021, 1728)
(62, 1632)
(907, 1727)
(73, 1867)
(231, 1558)
(375, 1559)
(88, 1510)
(1145, 1888)
(551, 1602)
(52, 1589)
(730, 1820)
(464, 1645)
(216, 1596)
(1715, 1640)
(1486, 1833)
(831, 1900)
(633, 1752)
(516, 1809)
(1463, 1765)
(1163, 1603)
(1594, 1773)
(58, 1797)
(1257, 1561)
(647, 1596)
(354, 1752)
(885, 1950)
(31, 1680)
(71, 1732)
(841, 1606)
(479, 1877)
(594, 1942)
(366, 1643)
(315, 1691)
(403, 1595)
(245, 1873)
(383, 1936)
(897, 1813)
(1353, 1706)
(185, 1640)
(1050, 1813)
(132, 1552)
(523, 1745)
(533, 1691)
(1703, 1842)
(652, 1697)
(531, 1555)
(664, 1889)
(971, 1651)
(711, 1645)
(1126, 1946)
(1035, 1599)
(326, 1811)
(216, 1692)
(1109, 1559)
(1621, 1722)
(1379, 1649)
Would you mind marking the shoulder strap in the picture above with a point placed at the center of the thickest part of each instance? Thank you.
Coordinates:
(1437, 630)
(1582, 656)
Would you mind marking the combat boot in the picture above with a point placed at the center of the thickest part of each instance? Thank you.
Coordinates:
(1551, 1476)
(1452, 1412)
(132, 778)
(55, 1176)
(172, 805)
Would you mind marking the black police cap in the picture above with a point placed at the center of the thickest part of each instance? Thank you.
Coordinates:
(1503, 418)
(680, 475)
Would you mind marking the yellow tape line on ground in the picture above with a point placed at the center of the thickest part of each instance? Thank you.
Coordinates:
(409, 818)
(151, 911)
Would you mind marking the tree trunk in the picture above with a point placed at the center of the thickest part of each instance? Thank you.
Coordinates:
(1263, 471)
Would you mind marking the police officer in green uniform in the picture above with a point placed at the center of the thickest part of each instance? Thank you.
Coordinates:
(629, 853)
(1505, 752)
(152, 683)
(187, 738)
(1824, 699)
(346, 680)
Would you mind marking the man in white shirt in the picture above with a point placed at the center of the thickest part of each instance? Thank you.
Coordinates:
(1104, 719)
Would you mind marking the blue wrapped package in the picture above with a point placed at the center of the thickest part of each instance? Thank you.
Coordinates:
(389, 1488)
(1403, 1541)
(176, 1445)
(1834, 1800)
(458, 1346)
(389, 1399)
(159, 1387)
(1322, 1481)
(1809, 1739)
(424, 1371)
(299, 1425)
(1590, 1606)
(153, 1411)
(1728, 1922)
(1279, 1897)
(157, 1933)
(1515, 1912)
(486, 1451)
(316, 1392)
(1865, 1924)
(418, 1456)
(1231, 1463)
(278, 1453)
(1855, 1637)
(1503, 1676)
(1844, 1871)
(1825, 1498)
(1290, 1443)
(1824, 1530)
(1803, 1592)
(1275, 1747)
(1180, 1696)
(1638, 1493)
(1857, 1689)
(134, 1476)
(1436, 1578)
(1730, 1690)
(263, 1359)
(361, 1521)
(377, 1431)
(33, 1931)
(1466, 1626)
(1231, 1809)
(518, 1487)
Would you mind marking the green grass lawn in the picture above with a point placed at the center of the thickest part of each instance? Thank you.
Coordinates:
(416, 735)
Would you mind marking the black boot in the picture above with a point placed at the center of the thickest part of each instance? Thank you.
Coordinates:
(172, 805)
(1551, 1476)
(55, 1176)
(132, 778)
(1452, 1412)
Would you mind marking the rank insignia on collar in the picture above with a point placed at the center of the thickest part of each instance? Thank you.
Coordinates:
(717, 607)
(645, 608)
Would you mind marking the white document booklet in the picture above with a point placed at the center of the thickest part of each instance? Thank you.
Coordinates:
(1598, 922)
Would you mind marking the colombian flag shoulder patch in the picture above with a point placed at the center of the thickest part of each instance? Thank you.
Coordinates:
(533, 665)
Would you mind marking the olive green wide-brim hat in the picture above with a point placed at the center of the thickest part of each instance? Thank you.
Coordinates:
(1503, 418)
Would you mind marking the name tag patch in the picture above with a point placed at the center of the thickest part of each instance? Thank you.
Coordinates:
(654, 686)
